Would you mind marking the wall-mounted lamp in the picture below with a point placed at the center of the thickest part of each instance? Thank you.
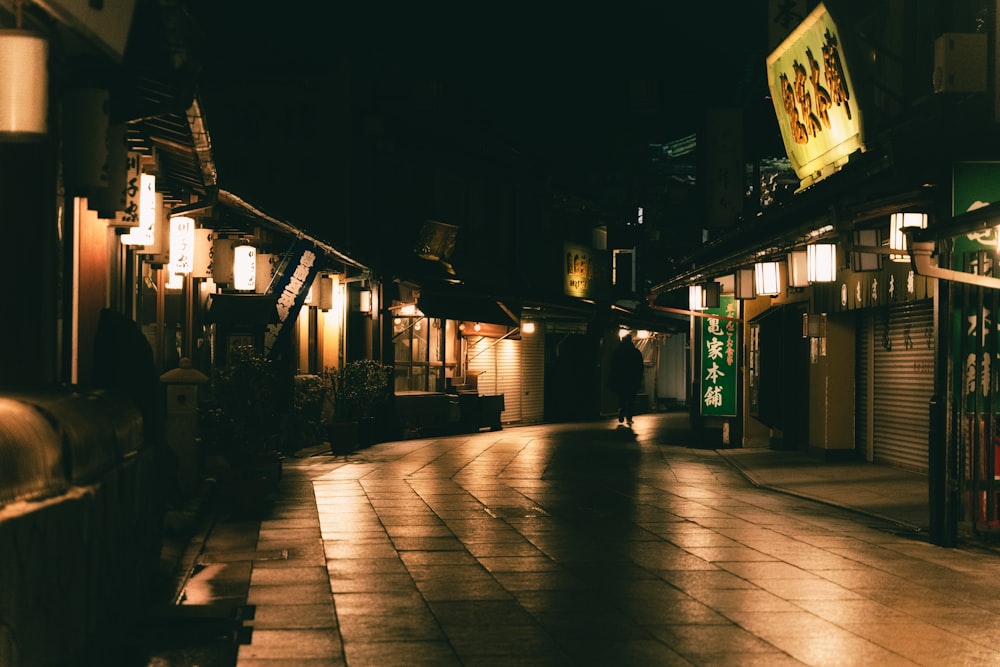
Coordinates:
(24, 83)
(767, 278)
(745, 287)
(365, 298)
(704, 295)
(822, 262)
(528, 327)
(866, 261)
(245, 268)
(695, 301)
(897, 237)
(798, 268)
(321, 293)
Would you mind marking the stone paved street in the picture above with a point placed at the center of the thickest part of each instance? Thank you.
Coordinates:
(587, 544)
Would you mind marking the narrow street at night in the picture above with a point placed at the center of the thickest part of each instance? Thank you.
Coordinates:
(587, 544)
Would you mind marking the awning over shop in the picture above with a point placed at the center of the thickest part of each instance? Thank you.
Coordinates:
(242, 308)
(454, 303)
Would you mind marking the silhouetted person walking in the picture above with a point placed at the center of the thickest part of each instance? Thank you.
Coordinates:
(627, 368)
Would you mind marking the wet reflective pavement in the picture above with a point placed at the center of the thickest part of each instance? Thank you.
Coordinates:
(584, 544)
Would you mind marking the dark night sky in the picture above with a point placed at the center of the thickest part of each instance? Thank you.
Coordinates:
(554, 74)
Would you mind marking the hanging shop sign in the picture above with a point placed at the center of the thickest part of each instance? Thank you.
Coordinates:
(719, 351)
(974, 185)
(814, 98)
(578, 270)
(291, 289)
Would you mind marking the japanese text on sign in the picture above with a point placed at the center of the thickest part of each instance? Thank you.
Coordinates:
(718, 359)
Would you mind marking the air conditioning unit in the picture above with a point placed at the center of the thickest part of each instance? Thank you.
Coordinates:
(960, 63)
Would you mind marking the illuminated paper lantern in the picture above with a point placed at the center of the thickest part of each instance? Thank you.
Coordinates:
(767, 278)
(202, 265)
(24, 86)
(694, 298)
(181, 244)
(245, 268)
(798, 268)
(897, 237)
(822, 262)
(145, 233)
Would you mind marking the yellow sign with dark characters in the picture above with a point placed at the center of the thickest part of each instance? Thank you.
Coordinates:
(814, 99)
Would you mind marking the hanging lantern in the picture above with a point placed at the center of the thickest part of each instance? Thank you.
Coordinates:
(181, 244)
(745, 287)
(798, 268)
(767, 278)
(24, 85)
(245, 268)
(267, 267)
(822, 262)
(222, 261)
(694, 298)
(711, 292)
(145, 233)
(202, 265)
(897, 237)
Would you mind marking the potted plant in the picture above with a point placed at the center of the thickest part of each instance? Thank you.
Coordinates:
(248, 400)
(357, 390)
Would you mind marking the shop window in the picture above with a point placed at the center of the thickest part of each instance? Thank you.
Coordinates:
(425, 353)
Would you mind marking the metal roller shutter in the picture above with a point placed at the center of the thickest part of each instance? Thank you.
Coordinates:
(532, 378)
(862, 383)
(903, 384)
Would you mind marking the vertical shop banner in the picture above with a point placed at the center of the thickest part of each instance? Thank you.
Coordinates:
(719, 368)
(291, 290)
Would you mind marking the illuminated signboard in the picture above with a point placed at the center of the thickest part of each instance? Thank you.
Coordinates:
(579, 270)
(814, 99)
(719, 363)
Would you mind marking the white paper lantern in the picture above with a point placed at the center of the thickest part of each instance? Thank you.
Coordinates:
(24, 86)
(245, 268)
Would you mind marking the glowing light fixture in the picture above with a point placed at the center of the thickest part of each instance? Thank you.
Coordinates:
(767, 278)
(694, 298)
(643, 334)
(181, 244)
(245, 268)
(145, 233)
(798, 268)
(24, 83)
(705, 295)
(365, 300)
(527, 327)
(897, 237)
(822, 262)
(175, 281)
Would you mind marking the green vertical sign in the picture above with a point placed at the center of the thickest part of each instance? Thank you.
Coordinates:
(719, 350)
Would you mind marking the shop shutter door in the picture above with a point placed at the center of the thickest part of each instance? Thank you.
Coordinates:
(532, 378)
(904, 383)
(499, 365)
(862, 382)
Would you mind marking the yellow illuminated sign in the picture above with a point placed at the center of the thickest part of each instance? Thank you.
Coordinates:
(814, 99)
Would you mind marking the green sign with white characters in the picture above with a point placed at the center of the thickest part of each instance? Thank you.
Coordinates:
(719, 355)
